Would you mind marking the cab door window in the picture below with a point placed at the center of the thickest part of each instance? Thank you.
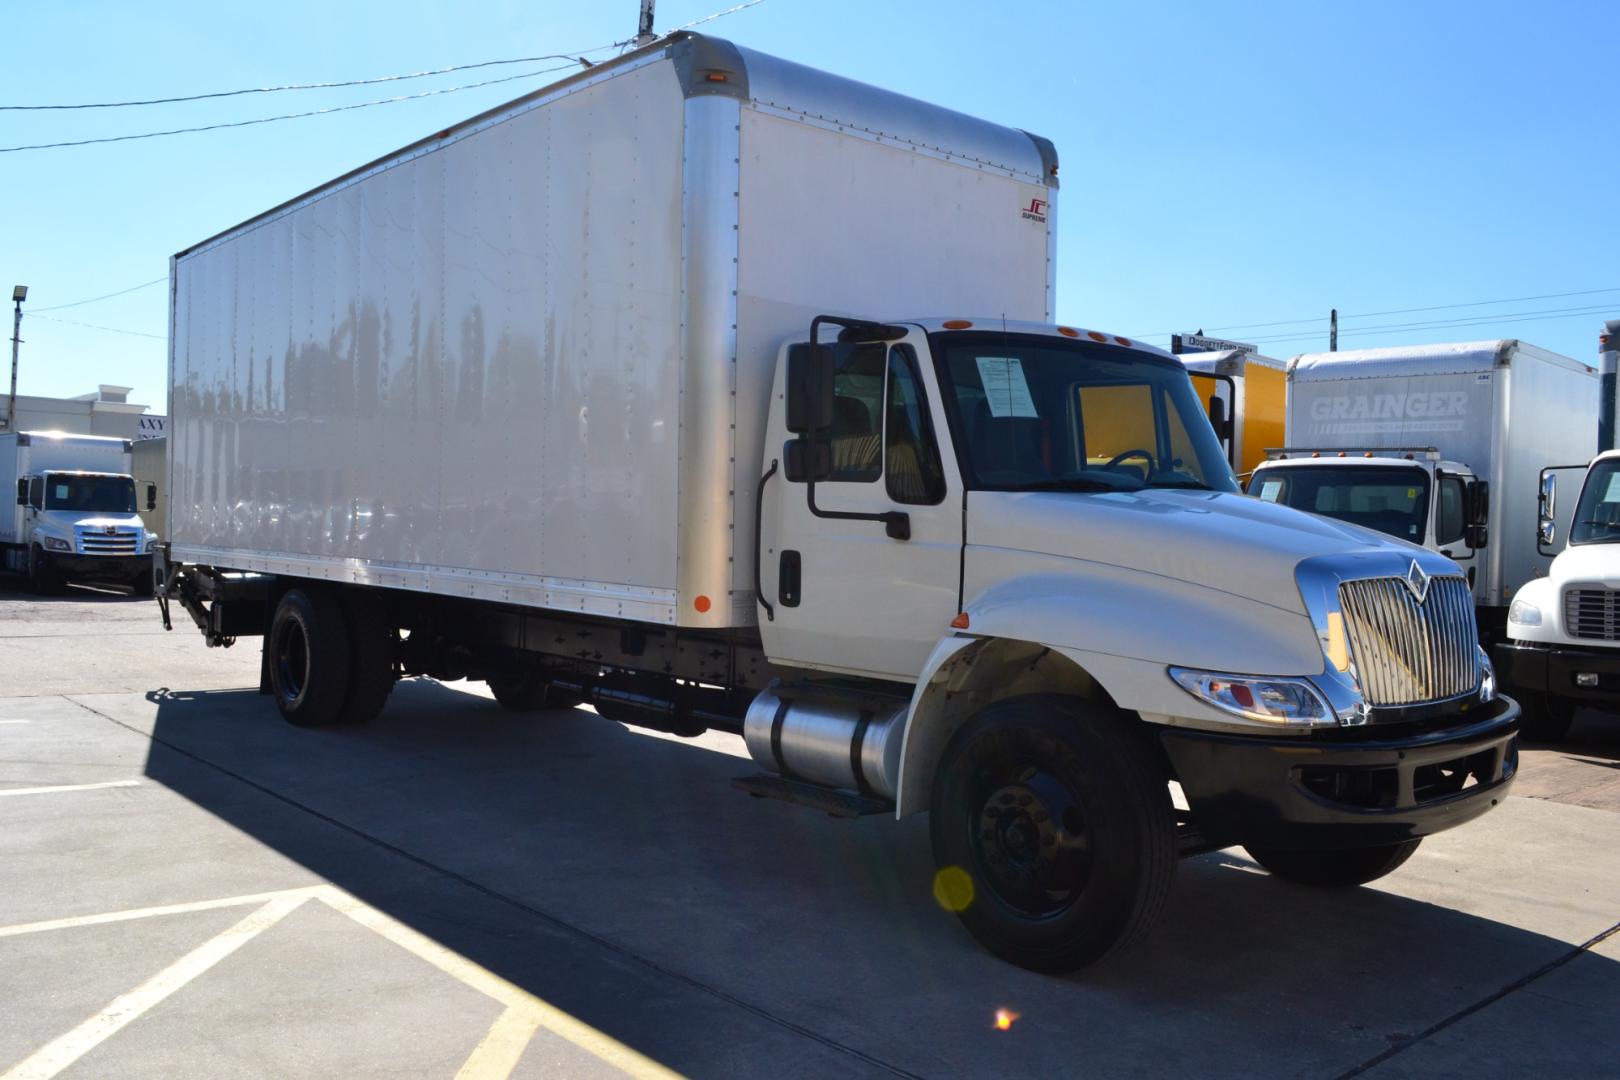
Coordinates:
(856, 435)
(912, 471)
(1450, 522)
(36, 492)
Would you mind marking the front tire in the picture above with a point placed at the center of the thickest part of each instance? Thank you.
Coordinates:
(372, 670)
(309, 652)
(42, 574)
(1053, 831)
(1543, 717)
(1334, 869)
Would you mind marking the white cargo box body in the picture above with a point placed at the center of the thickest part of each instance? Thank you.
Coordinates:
(1506, 409)
(528, 359)
(28, 453)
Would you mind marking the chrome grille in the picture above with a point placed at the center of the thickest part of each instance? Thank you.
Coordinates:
(99, 541)
(1406, 652)
(1592, 613)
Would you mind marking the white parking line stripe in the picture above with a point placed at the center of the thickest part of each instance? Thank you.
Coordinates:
(68, 787)
(162, 909)
(517, 999)
(63, 1051)
(502, 1047)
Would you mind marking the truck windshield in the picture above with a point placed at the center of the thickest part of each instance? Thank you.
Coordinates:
(1041, 414)
(1597, 515)
(1391, 499)
(93, 494)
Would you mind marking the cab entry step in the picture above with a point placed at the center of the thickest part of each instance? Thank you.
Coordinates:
(842, 804)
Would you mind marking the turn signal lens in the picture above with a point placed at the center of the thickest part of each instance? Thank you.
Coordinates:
(1286, 702)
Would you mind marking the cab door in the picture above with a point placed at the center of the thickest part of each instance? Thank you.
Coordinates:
(867, 580)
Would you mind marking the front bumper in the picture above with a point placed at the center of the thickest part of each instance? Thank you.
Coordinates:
(1347, 788)
(120, 568)
(1551, 669)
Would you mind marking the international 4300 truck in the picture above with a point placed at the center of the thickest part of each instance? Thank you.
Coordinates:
(719, 392)
(74, 515)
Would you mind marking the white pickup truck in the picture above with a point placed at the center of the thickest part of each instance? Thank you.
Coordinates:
(666, 433)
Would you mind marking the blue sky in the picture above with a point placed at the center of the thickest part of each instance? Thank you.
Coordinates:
(1224, 164)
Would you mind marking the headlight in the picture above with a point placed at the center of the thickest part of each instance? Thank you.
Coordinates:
(53, 544)
(1487, 676)
(1523, 614)
(1288, 702)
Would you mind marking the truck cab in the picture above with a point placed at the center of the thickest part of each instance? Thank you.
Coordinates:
(1563, 630)
(77, 513)
(1412, 494)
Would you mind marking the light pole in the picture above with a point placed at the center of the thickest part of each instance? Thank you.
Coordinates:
(19, 293)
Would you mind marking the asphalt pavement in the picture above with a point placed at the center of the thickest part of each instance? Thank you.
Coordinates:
(192, 888)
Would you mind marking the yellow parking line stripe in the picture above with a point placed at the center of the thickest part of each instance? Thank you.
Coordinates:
(63, 1051)
(502, 1046)
(68, 787)
(553, 1019)
(162, 909)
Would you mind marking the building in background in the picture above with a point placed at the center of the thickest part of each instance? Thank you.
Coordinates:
(108, 411)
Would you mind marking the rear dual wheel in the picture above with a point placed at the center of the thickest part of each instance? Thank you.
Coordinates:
(330, 658)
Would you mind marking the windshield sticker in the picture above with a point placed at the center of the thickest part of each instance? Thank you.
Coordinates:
(1005, 389)
(1270, 490)
(1613, 494)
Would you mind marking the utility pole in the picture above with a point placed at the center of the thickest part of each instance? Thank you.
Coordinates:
(19, 293)
(1333, 330)
(644, 30)
(1608, 368)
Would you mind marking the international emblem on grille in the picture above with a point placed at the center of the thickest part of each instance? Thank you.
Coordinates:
(111, 530)
(1418, 581)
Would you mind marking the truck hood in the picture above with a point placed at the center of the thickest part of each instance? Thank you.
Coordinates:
(1588, 562)
(1227, 542)
(64, 521)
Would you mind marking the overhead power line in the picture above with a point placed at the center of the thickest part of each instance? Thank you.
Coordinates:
(98, 299)
(94, 326)
(716, 15)
(1397, 311)
(283, 116)
(1418, 328)
(305, 86)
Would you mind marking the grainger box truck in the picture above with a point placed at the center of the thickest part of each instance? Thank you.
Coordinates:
(1438, 445)
(723, 393)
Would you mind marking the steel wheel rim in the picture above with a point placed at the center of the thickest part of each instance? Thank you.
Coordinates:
(1031, 839)
(292, 660)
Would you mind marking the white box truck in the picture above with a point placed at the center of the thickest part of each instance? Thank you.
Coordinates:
(1563, 630)
(1437, 445)
(74, 514)
(628, 392)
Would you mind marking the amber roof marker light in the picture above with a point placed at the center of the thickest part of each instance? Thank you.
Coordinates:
(957, 324)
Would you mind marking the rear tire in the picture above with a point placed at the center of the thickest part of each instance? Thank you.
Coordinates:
(1330, 869)
(1543, 717)
(526, 689)
(309, 652)
(371, 656)
(1053, 832)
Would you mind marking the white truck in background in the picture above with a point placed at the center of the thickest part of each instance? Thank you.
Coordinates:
(74, 514)
(1437, 445)
(672, 432)
(1563, 630)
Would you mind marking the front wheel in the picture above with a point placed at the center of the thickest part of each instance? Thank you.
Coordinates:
(1053, 831)
(1330, 869)
(1543, 717)
(42, 573)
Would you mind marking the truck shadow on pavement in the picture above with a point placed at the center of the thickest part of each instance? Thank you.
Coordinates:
(617, 876)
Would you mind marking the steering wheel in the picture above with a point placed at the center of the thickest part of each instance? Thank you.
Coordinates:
(1115, 461)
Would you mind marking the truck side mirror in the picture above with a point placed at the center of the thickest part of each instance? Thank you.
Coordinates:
(151, 496)
(1219, 420)
(1546, 507)
(809, 389)
(1478, 501)
(796, 461)
(1477, 536)
(22, 492)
